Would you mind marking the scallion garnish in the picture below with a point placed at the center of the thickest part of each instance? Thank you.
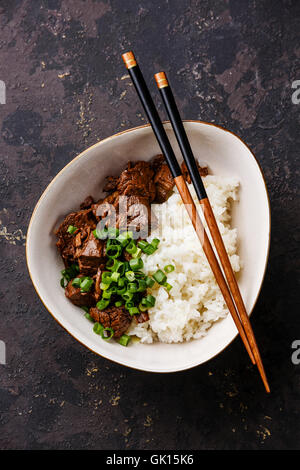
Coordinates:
(131, 247)
(115, 276)
(169, 268)
(102, 304)
(113, 251)
(132, 287)
(101, 234)
(76, 282)
(127, 296)
(137, 253)
(142, 244)
(167, 286)
(86, 283)
(149, 281)
(150, 300)
(124, 238)
(112, 232)
(136, 264)
(155, 242)
(104, 335)
(88, 317)
(124, 340)
(130, 276)
(160, 277)
(142, 307)
(97, 328)
(71, 229)
(133, 311)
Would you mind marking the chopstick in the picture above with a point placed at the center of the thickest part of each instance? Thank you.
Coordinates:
(160, 133)
(187, 153)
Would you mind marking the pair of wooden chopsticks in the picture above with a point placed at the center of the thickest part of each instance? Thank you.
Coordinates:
(231, 291)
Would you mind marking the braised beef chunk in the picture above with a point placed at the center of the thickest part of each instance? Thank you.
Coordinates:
(91, 256)
(84, 222)
(116, 318)
(164, 183)
(81, 299)
(203, 170)
(86, 204)
(111, 184)
(103, 208)
(137, 180)
(137, 216)
(125, 212)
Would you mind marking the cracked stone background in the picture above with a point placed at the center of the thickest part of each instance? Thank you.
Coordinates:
(231, 62)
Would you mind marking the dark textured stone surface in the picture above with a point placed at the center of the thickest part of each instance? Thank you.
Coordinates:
(231, 62)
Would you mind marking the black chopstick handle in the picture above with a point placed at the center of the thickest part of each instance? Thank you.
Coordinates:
(153, 116)
(183, 142)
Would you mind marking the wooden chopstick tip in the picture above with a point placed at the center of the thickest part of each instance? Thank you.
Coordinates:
(129, 59)
(161, 79)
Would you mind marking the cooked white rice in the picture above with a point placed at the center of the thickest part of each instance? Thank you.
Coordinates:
(195, 301)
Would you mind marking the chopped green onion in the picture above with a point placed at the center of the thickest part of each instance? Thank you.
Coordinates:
(115, 276)
(103, 335)
(155, 242)
(130, 276)
(76, 282)
(102, 304)
(86, 284)
(136, 264)
(132, 287)
(139, 275)
(88, 317)
(149, 281)
(113, 251)
(121, 282)
(142, 307)
(122, 290)
(97, 328)
(133, 311)
(149, 250)
(70, 272)
(131, 247)
(169, 268)
(104, 286)
(119, 303)
(101, 234)
(167, 286)
(137, 253)
(86, 309)
(106, 294)
(160, 277)
(112, 232)
(142, 244)
(124, 238)
(114, 265)
(142, 285)
(71, 229)
(129, 304)
(106, 277)
(124, 340)
(127, 296)
(62, 282)
(150, 300)
(126, 266)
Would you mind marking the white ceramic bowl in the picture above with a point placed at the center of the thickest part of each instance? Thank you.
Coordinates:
(225, 154)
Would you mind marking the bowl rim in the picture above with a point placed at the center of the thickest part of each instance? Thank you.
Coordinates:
(80, 155)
